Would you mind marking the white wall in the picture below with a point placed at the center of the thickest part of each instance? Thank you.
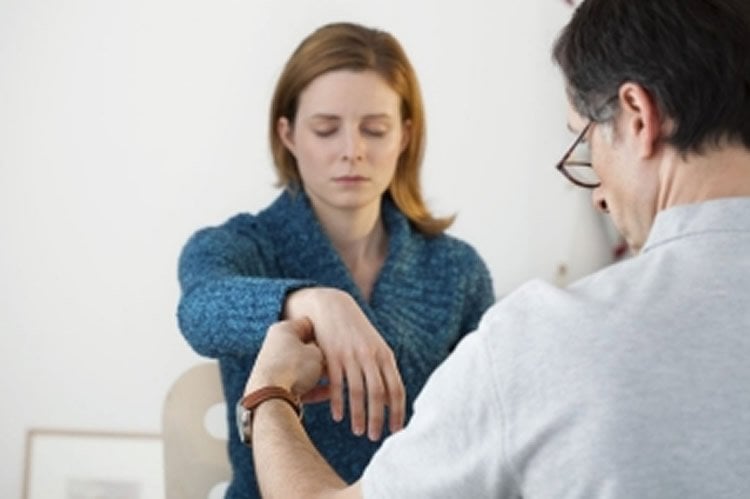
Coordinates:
(124, 126)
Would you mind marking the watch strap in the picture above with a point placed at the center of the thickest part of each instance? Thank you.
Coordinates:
(248, 404)
(253, 399)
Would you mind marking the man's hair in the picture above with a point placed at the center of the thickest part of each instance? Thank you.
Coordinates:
(692, 56)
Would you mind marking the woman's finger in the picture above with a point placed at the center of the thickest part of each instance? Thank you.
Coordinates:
(356, 397)
(375, 401)
(394, 386)
(336, 389)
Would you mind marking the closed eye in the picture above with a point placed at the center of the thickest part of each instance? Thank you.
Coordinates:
(327, 132)
(374, 133)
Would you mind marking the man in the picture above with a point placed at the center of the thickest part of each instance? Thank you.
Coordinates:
(633, 382)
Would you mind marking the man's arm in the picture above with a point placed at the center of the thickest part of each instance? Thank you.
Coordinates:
(287, 464)
(454, 446)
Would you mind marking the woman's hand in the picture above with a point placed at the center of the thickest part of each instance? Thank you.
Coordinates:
(356, 353)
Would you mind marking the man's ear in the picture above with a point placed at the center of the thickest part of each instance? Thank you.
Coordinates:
(640, 117)
(405, 135)
(285, 130)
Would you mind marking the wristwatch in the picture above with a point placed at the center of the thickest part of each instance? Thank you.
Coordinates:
(247, 405)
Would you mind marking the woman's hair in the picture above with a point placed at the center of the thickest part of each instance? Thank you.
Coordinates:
(347, 46)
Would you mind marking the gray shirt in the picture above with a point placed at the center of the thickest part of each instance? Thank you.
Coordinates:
(631, 383)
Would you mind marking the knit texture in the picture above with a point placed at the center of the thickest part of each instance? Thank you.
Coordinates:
(234, 278)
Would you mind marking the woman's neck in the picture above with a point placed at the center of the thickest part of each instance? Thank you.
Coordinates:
(359, 237)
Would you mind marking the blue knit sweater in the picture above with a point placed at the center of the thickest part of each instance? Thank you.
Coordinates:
(234, 278)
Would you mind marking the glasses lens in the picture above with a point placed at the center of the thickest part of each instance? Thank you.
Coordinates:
(582, 173)
(578, 165)
(581, 154)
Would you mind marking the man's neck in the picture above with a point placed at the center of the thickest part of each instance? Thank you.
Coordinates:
(717, 173)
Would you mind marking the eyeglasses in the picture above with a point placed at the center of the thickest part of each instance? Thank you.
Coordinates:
(576, 162)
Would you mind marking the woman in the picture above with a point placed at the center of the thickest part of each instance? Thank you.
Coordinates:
(349, 244)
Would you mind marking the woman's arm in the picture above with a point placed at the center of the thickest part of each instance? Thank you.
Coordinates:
(227, 306)
(228, 301)
(478, 291)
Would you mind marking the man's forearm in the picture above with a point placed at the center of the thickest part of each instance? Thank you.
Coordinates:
(287, 464)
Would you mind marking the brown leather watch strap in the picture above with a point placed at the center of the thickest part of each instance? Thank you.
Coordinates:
(247, 406)
(257, 397)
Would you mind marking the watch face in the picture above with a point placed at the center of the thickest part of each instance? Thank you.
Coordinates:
(243, 424)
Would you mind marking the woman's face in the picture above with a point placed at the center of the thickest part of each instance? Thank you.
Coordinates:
(347, 137)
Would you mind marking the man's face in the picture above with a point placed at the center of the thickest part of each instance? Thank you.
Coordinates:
(628, 190)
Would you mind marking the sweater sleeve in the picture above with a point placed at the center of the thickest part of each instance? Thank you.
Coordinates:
(479, 292)
(229, 297)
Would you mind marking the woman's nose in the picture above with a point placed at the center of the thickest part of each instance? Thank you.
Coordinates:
(354, 147)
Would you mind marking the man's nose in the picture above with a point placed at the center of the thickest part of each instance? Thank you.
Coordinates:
(597, 199)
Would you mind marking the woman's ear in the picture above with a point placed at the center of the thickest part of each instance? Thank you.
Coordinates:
(285, 130)
(640, 117)
(405, 134)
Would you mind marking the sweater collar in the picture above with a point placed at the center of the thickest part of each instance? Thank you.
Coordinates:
(305, 251)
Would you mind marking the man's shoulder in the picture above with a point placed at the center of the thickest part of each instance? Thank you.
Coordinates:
(541, 312)
(532, 300)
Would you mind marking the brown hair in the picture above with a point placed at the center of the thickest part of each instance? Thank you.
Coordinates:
(351, 46)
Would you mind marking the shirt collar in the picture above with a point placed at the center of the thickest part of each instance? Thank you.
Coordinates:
(717, 215)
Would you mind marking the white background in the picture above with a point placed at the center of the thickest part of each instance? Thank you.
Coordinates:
(127, 125)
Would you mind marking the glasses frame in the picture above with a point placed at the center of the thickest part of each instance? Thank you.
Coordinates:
(564, 161)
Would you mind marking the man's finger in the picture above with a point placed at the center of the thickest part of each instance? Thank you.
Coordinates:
(320, 393)
(303, 328)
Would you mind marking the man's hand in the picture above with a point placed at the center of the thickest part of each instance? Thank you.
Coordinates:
(288, 358)
(355, 353)
(293, 467)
